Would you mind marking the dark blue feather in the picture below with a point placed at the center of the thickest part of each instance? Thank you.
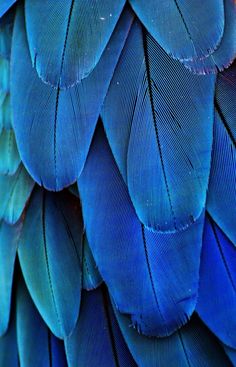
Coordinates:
(91, 277)
(15, 191)
(221, 199)
(8, 347)
(79, 32)
(226, 97)
(51, 242)
(183, 28)
(57, 125)
(217, 289)
(191, 346)
(9, 156)
(6, 26)
(9, 237)
(58, 352)
(225, 54)
(231, 353)
(137, 264)
(159, 123)
(97, 340)
(32, 333)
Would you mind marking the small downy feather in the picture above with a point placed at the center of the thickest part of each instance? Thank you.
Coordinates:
(36, 345)
(163, 151)
(217, 288)
(225, 54)
(9, 156)
(91, 277)
(79, 31)
(193, 345)
(183, 28)
(51, 242)
(9, 237)
(137, 264)
(15, 191)
(221, 198)
(8, 346)
(97, 340)
(53, 124)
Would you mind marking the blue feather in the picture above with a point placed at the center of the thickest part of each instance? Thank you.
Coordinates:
(6, 26)
(221, 199)
(58, 125)
(51, 242)
(4, 7)
(225, 54)
(9, 156)
(5, 112)
(32, 333)
(8, 347)
(9, 237)
(58, 352)
(137, 264)
(226, 97)
(183, 28)
(79, 32)
(231, 353)
(217, 289)
(193, 345)
(97, 340)
(14, 193)
(162, 150)
(91, 277)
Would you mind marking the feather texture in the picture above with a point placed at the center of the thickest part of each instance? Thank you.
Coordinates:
(9, 156)
(62, 122)
(8, 347)
(51, 242)
(32, 333)
(14, 193)
(225, 54)
(79, 31)
(137, 264)
(183, 28)
(221, 200)
(91, 277)
(97, 340)
(193, 345)
(217, 287)
(9, 237)
(163, 151)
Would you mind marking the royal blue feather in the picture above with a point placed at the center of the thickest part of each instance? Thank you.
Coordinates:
(51, 242)
(193, 345)
(9, 236)
(79, 31)
(221, 199)
(225, 54)
(32, 333)
(57, 125)
(91, 277)
(137, 264)
(8, 347)
(4, 7)
(9, 156)
(159, 121)
(97, 340)
(15, 191)
(58, 358)
(217, 288)
(183, 28)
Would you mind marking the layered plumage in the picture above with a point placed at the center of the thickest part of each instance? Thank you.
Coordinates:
(117, 183)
